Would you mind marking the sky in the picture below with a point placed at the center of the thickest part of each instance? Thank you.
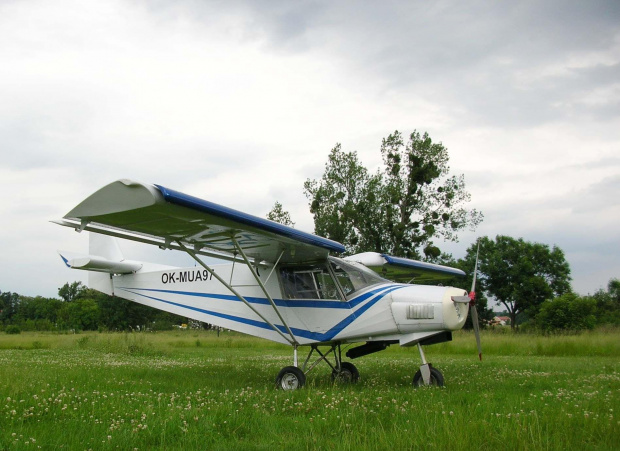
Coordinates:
(240, 102)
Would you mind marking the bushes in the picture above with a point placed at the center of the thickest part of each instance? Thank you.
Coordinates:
(567, 313)
(13, 330)
(573, 313)
(608, 304)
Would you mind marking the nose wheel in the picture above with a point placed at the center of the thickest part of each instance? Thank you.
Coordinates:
(427, 375)
(435, 378)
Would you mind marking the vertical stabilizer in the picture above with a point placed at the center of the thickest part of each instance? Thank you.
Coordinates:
(106, 247)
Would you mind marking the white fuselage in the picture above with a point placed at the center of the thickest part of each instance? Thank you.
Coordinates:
(381, 311)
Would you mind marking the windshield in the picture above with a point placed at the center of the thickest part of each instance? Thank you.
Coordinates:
(315, 281)
(353, 277)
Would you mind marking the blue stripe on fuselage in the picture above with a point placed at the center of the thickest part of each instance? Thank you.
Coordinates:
(279, 302)
(373, 296)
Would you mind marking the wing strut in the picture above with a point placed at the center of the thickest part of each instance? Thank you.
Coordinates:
(262, 286)
(274, 266)
(239, 296)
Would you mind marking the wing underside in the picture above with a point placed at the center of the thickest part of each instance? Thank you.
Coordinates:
(156, 215)
(404, 269)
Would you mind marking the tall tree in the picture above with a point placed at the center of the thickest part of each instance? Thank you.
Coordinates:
(279, 214)
(338, 198)
(400, 209)
(521, 275)
(71, 291)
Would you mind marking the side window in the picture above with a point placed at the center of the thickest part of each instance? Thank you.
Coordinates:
(308, 282)
(343, 279)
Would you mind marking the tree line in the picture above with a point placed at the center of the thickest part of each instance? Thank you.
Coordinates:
(80, 308)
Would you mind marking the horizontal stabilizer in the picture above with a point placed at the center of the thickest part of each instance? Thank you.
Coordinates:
(404, 269)
(100, 264)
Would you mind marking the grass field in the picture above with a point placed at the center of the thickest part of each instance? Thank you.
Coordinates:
(194, 390)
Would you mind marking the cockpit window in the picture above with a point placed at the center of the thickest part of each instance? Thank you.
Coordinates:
(308, 282)
(316, 281)
(353, 278)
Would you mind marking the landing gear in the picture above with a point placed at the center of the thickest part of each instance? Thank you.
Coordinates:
(348, 374)
(294, 377)
(290, 378)
(436, 378)
(427, 375)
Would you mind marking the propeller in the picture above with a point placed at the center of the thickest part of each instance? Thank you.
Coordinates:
(472, 306)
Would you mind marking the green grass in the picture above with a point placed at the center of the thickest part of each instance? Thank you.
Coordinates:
(194, 390)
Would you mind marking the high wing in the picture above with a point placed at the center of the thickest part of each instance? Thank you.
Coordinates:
(160, 216)
(404, 269)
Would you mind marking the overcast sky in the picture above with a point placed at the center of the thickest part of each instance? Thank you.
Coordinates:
(240, 102)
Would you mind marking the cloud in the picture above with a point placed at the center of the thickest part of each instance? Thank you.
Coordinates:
(240, 102)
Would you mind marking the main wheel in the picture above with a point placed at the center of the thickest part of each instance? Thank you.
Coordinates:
(348, 374)
(290, 378)
(436, 378)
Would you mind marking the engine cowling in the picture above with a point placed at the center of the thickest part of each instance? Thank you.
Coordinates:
(420, 308)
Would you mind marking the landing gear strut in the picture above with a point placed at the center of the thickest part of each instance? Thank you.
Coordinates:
(294, 377)
(427, 375)
(436, 378)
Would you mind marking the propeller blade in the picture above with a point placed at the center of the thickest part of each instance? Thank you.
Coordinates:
(472, 305)
(473, 283)
(474, 320)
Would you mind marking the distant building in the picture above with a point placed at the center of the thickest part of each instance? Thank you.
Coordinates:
(500, 321)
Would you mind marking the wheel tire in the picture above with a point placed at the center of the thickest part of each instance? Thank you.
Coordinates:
(436, 378)
(348, 374)
(290, 378)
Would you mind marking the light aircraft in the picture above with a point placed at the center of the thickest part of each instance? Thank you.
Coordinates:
(278, 283)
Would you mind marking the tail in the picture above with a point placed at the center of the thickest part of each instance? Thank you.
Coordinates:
(103, 261)
(106, 247)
